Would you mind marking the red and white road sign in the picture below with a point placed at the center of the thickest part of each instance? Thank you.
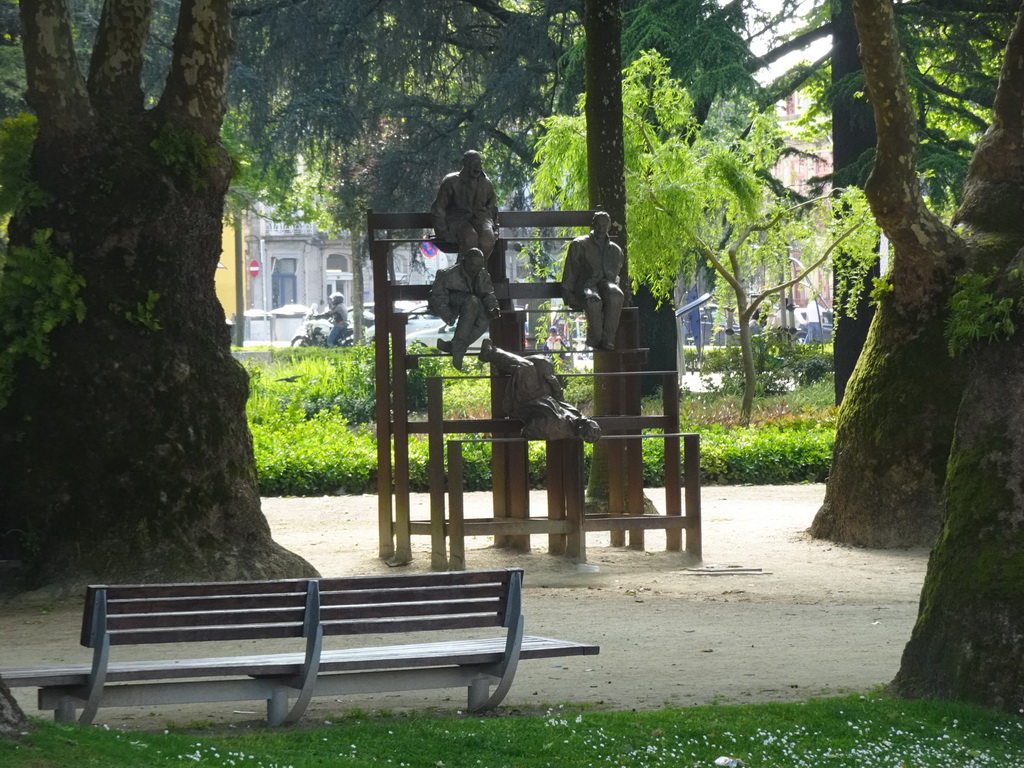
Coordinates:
(254, 268)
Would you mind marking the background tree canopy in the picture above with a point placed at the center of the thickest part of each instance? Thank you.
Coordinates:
(379, 100)
(384, 98)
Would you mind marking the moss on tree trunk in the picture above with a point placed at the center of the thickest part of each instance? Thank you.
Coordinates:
(892, 438)
(969, 637)
(971, 620)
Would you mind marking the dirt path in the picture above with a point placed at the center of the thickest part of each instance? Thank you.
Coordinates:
(817, 620)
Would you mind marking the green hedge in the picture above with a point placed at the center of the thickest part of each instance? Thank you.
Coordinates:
(324, 456)
(309, 412)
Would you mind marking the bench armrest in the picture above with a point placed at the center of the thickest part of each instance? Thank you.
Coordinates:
(513, 641)
(313, 629)
(99, 639)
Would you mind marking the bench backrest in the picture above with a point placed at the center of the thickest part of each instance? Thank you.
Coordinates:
(445, 600)
(254, 610)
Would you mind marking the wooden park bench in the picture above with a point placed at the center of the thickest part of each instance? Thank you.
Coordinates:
(459, 603)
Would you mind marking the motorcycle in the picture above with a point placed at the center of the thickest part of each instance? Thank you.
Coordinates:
(315, 330)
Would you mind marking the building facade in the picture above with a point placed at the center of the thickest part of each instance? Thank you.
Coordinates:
(287, 268)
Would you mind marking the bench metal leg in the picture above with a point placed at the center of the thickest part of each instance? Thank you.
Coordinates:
(65, 711)
(277, 706)
(479, 693)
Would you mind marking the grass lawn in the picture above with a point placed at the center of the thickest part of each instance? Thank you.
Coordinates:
(848, 732)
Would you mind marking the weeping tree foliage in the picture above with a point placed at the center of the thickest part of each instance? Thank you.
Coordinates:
(703, 42)
(703, 192)
(953, 55)
(395, 90)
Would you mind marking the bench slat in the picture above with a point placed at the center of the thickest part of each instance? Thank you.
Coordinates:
(123, 624)
(408, 624)
(202, 588)
(205, 603)
(119, 623)
(206, 634)
(426, 593)
(482, 651)
(490, 605)
(409, 581)
(192, 605)
(227, 589)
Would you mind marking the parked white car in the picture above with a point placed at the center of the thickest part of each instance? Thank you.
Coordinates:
(425, 328)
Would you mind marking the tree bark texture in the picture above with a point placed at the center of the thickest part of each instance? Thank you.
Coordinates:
(853, 141)
(606, 182)
(895, 423)
(892, 439)
(606, 162)
(128, 457)
(12, 720)
(968, 642)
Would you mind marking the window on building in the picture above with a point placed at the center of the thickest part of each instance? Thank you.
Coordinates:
(337, 262)
(284, 286)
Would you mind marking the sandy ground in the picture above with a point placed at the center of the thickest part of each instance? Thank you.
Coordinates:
(804, 618)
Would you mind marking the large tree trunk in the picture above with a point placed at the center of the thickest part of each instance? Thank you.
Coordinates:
(892, 437)
(968, 642)
(127, 456)
(606, 180)
(606, 162)
(895, 423)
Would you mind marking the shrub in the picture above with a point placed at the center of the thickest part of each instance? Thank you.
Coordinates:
(579, 391)
(780, 365)
(428, 366)
(468, 398)
(315, 380)
(308, 410)
(766, 455)
(314, 457)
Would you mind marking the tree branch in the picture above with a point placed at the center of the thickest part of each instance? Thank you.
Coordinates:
(492, 8)
(809, 269)
(115, 73)
(254, 9)
(199, 64)
(798, 43)
(56, 89)
(936, 87)
(893, 189)
(791, 80)
(893, 182)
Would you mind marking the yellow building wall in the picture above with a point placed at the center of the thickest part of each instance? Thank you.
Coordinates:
(224, 279)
